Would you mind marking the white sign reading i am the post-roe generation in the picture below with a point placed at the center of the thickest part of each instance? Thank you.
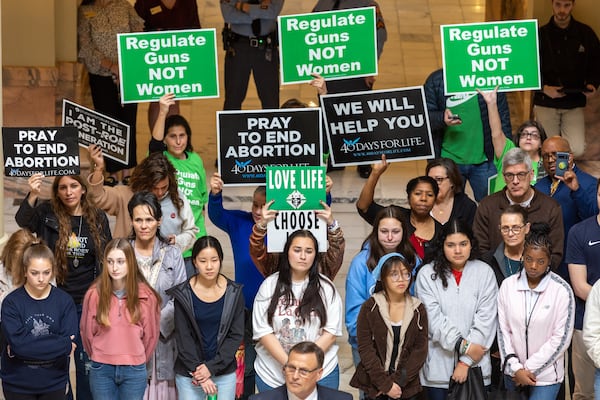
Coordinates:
(182, 62)
(493, 54)
(111, 135)
(333, 44)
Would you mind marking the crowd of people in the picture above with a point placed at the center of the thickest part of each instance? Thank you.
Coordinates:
(504, 283)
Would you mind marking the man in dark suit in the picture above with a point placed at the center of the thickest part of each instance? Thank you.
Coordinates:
(302, 372)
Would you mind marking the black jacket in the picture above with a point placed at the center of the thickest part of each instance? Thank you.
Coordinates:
(569, 58)
(189, 338)
(41, 220)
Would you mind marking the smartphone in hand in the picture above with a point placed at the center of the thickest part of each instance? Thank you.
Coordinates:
(562, 163)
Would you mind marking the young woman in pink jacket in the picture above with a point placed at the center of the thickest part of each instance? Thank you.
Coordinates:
(120, 326)
(536, 311)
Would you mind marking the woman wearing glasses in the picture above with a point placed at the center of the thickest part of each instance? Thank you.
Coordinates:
(505, 260)
(297, 290)
(392, 335)
(389, 235)
(459, 294)
(451, 202)
(536, 311)
(529, 137)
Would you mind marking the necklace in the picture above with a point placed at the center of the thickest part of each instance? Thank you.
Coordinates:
(74, 243)
(512, 266)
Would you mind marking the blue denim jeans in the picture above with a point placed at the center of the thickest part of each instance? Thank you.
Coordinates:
(187, 391)
(477, 175)
(82, 363)
(597, 383)
(355, 359)
(432, 393)
(548, 392)
(118, 382)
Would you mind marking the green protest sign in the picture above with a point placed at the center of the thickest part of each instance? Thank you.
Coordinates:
(296, 188)
(333, 44)
(485, 55)
(154, 63)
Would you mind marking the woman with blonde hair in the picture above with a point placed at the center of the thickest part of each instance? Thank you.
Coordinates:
(39, 322)
(77, 230)
(11, 260)
(120, 326)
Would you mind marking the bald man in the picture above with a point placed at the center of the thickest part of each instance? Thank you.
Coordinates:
(575, 191)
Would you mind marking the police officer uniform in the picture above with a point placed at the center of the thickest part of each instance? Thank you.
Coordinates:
(250, 41)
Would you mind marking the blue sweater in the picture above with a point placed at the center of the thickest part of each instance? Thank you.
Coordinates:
(37, 331)
(576, 206)
(238, 225)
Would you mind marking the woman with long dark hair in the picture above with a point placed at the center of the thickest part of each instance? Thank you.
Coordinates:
(536, 315)
(459, 294)
(296, 291)
(154, 174)
(120, 326)
(209, 326)
(77, 230)
(162, 266)
(389, 235)
(172, 136)
(422, 192)
(392, 335)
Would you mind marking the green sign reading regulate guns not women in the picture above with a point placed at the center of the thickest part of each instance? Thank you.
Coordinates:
(155, 63)
(485, 55)
(333, 44)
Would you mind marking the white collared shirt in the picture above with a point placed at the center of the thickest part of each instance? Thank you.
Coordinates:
(312, 396)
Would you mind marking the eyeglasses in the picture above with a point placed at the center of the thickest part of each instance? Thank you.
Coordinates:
(440, 179)
(508, 176)
(531, 135)
(396, 276)
(549, 156)
(516, 229)
(303, 372)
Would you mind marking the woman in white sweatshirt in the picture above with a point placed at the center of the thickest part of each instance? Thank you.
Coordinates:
(459, 294)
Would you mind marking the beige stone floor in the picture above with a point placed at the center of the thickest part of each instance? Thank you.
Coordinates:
(410, 54)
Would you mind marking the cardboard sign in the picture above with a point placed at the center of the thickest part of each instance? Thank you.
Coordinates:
(485, 55)
(182, 62)
(296, 188)
(249, 141)
(333, 44)
(52, 151)
(362, 126)
(94, 128)
(288, 222)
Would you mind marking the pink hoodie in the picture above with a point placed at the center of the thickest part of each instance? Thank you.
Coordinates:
(121, 343)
